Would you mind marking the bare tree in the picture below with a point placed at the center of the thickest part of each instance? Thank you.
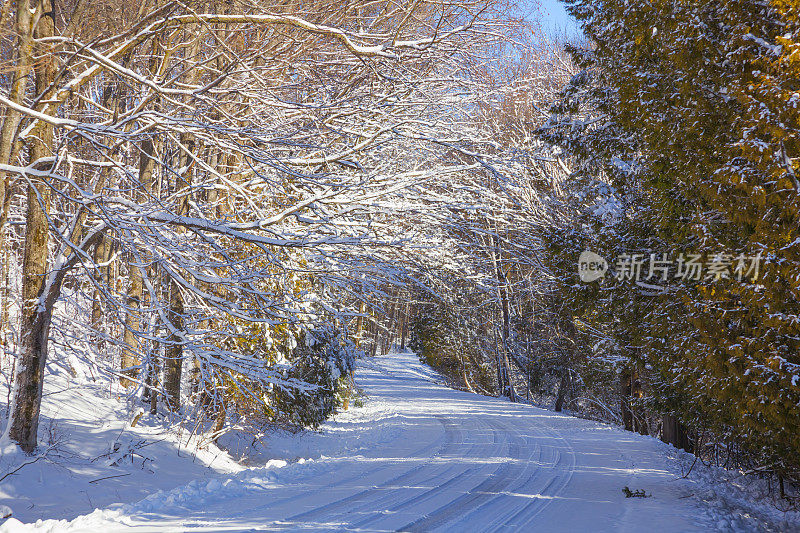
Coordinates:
(255, 170)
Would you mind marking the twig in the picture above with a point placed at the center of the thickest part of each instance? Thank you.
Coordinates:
(685, 476)
(42, 455)
(109, 477)
(20, 467)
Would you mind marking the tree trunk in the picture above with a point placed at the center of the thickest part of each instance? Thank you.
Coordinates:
(639, 421)
(9, 145)
(362, 308)
(464, 377)
(102, 253)
(507, 388)
(173, 358)
(376, 336)
(35, 318)
(153, 378)
(219, 423)
(563, 387)
(625, 397)
(196, 375)
(101, 257)
(404, 327)
(675, 433)
(389, 338)
(131, 347)
(5, 279)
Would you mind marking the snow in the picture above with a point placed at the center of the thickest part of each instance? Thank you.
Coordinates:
(83, 421)
(421, 457)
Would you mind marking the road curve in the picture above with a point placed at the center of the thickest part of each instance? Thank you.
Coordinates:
(451, 461)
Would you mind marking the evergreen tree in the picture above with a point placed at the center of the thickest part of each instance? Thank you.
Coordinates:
(709, 92)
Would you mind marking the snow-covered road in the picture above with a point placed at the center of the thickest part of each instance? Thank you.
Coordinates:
(434, 459)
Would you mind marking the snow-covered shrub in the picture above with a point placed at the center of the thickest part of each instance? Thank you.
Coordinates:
(325, 359)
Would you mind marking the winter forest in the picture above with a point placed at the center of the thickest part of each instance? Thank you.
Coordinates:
(264, 252)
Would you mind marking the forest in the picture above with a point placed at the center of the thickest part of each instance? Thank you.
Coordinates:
(218, 208)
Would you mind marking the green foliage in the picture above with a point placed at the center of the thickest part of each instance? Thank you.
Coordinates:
(690, 113)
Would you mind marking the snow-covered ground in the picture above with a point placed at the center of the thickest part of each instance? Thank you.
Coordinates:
(417, 457)
(91, 456)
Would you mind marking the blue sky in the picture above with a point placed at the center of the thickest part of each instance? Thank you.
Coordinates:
(555, 17)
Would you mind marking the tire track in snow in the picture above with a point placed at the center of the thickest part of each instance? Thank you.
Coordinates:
(554, 487)
(418, 453)
(463, 469)
(561, 474)
(346, 505)
(514, 500)
(480, 493)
